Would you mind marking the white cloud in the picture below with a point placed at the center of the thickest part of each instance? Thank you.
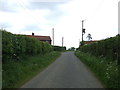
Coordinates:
(24, 17)
(101, 18)
(49, 0)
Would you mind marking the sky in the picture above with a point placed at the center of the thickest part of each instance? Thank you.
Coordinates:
(65, 16)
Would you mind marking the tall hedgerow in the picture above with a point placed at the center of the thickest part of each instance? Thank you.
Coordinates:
(7, 46)
(103, 57)
(14, 47)
(108, 48)
(46, 48)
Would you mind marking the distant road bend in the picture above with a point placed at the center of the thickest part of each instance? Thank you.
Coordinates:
(66, 72)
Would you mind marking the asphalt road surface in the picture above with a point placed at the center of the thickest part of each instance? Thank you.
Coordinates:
(66, 72)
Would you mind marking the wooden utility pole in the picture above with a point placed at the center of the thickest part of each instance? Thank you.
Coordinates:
(53, 35)
(82, 29)
(62, 41)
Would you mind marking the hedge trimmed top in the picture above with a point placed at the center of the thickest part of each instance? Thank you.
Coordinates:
(108, 48)
(15, 47)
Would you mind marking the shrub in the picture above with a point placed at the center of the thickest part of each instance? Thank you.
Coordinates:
(108, 48)
(59, 48)
(106, 71)
(17, 46)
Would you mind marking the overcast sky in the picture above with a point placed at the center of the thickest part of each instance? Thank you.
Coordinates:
(65, 16)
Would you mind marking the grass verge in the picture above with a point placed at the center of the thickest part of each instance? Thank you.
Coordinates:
(105, 70)
(16, 73)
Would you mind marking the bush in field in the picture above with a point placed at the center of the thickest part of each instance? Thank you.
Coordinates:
(17, 46)
(108, 48)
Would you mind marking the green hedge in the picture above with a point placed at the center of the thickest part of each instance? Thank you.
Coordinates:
(108, 48)
(59, 48)
(17, 73)
(15, 47)
(105, 70)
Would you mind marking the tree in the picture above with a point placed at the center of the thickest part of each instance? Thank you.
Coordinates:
(89, 37)
(71, 49)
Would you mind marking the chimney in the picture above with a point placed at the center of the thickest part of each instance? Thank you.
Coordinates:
(32, 34)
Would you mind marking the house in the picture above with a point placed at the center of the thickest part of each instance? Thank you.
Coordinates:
(90, 42)
(41, 38)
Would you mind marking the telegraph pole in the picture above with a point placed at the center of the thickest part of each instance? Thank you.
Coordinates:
(82, 29)
(83, 32)
(53, 35)
(62, 41)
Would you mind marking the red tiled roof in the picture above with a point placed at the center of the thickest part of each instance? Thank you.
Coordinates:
(89, 42)
(40, 37)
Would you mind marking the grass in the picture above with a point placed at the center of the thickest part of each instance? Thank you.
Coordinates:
(0, 75)
(16, 73)
(105, 70)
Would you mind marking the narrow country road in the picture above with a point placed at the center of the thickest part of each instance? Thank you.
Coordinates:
(66, 72)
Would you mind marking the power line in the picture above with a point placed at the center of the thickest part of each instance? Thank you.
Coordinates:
(96, 11)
